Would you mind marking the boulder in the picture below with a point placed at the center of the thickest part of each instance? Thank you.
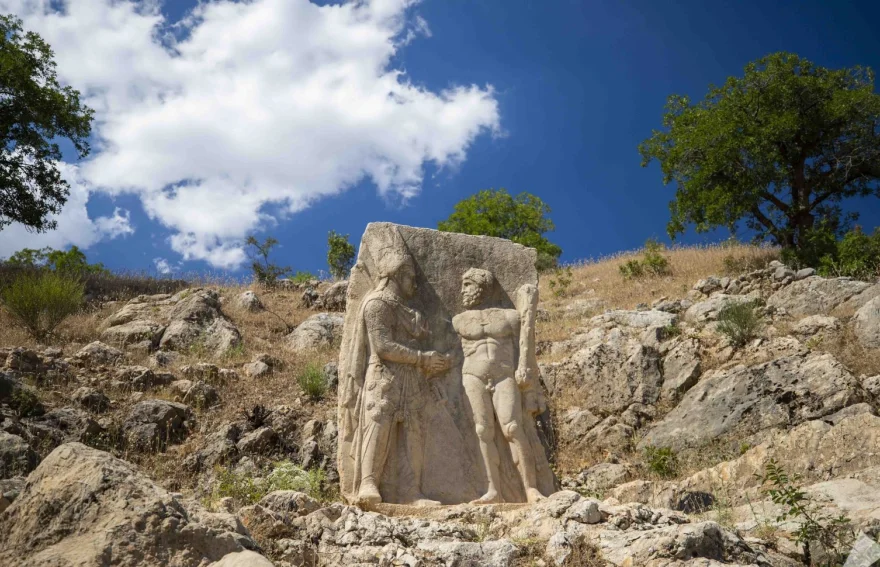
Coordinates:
(97, 353)
(603, 476)
(708, 310)
(141, 378)
(289, 502)
(610, 372)
(91, 399)
(256, 369)
(82, 506)
(814, 325)
(152, 424)
(636, 319)
(866, 323)
(681, 369)
(24, 360)
(16, 456)
(201, 395)
(64, 425)
(10, 488)
(248, 301)
(331, 375)
(244, 558)
(333, 298)
(748, 399)
(815, 295)
(134, 332)
(262, 441)
(320, 330)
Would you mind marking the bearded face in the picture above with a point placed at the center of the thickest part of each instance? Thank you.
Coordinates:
(471, 293)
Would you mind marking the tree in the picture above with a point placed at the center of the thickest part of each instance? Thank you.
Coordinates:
(35, 111)
(265, 272)
(340, 254)
(522, 219)
(71, 262)
(780, 148)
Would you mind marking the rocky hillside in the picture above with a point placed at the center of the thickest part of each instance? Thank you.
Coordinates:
(199, 429)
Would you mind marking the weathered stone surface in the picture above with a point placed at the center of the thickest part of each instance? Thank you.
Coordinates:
(407, 286)
(201, 395)
(82, 506)
(333, 298)
(141, 378)
(91, 399)
(636, 319)
(783, 392)
(64, 425)
(599, 478)
(97, 353)
(289, 502)
(708, 310)
(248, 301)
(134, 332)
(16, 456)
(611, 371)
(815, 324)
(259, 442)
(867, 323)
(815, 295)
(256, 369)
(315, 332)
(152, 424)
(244, 558)
(681, 369)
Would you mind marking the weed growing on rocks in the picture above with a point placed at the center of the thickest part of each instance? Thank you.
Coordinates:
(313, 382)
(739, 322)
(661, 461)
(40, 301)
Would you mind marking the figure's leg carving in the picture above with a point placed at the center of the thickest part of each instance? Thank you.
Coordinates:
(480, 404)
(508, 405)
(376, 445)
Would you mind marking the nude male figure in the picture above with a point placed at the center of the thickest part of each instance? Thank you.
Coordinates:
(492, 374)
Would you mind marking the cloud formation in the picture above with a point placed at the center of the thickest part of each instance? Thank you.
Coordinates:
(74, 225)
(243, 111)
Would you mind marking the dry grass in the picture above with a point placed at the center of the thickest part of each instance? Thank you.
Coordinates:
(601, 278)
(846, 347)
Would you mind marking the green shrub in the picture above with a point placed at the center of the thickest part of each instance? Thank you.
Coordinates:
(661, 461)
(857, 256)
(560, 281)
(25, 403)
(265, 272)
(652, 264)
(834, 534)
(340, 255)
(312, 381)
(301, 277)
(739, 322)
(40, 301)
(246, 489)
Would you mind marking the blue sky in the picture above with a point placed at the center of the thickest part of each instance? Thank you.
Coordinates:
(575, 87)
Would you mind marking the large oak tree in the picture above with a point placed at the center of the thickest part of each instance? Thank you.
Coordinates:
(35, 111)
(779, 148)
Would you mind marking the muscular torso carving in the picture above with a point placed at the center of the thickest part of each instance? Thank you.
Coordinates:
(488, 337)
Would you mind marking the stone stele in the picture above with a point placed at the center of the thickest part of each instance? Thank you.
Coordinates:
(439, 385)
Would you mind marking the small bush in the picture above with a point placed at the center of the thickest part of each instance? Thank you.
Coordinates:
(246, 489)
(40, 301)
(834, 534)
(313, 382)
(857, 256)
(340, 254)
(739, 322)
(25, 403)
(301, 277)
(560, 281)
(652, 264)
(265, 272)
(661, 461)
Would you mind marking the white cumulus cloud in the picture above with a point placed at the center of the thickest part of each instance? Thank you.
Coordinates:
(243, 111)
(75, 227)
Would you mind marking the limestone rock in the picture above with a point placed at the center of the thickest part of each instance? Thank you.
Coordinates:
(289, 502)
(708, 310)
(815, 295)
(244, 558)
(134, 332)
(867, 323)
(201, 395)
(16, 456)
(637, 319)
(262, 441)
(815, 324)
(681, 369)
(256, 369)
(82, 506)
(97, 353)
(141, 378)
(91, 399)
(747, 399)
(317, 331)
(610, 372)
(64, 425)
(152, 424)
(603, 476)
(248, 301)
(333, 298)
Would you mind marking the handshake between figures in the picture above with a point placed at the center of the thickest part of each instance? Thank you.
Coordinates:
(432, 362)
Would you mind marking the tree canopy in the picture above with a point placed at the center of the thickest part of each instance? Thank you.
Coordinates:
(72, 261)
(523, 219)
(780, 148)
(35, 111)
(340, 255)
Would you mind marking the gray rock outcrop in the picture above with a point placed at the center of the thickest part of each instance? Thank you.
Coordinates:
(320, 330)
